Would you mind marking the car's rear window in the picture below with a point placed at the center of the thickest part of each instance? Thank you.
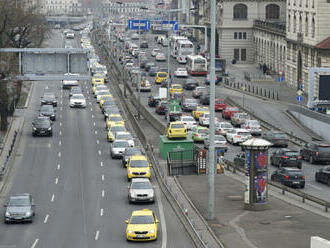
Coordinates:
(138, 163)
(220, 102)
(142, 219)
(292, 154)
(294, 173)
(162, 74)
(324, 148)
(177, 126)
(280, 136)
(243, 133)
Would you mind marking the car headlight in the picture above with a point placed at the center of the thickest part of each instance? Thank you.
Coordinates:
(53, 115)
(147, 171)
(152, 231)
(34, 128)
(133, 194)
(7, 214)
(28, 214)
(129, 231)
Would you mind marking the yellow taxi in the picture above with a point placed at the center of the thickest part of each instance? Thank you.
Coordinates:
(160, 76)
(176, 88)
(114, 119)
(176, 129)
(138, 166)
(97, 79)
(199, 111)
(113, 129)
(104, 98)
(142, 226)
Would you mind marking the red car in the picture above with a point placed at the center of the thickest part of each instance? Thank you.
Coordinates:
(229, 111)
(219, 104)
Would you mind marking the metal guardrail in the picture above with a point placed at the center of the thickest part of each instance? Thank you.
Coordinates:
(4, 166)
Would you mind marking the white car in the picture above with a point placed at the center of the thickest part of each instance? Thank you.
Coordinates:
(145, 86)
(69, 35)
(99, 88)
(125, 136)
(253, 126)
(155, 51)
(219, 141)
(128, 66)
(237, 136)
(181, 72)
(160, 57)
(204, 119)
(188, 121)
(67, 84)
(223, 127)
(77, 101)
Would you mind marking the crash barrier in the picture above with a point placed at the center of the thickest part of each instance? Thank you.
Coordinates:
(231, 166)
(181, 162)
(257, 77)
(10, 152)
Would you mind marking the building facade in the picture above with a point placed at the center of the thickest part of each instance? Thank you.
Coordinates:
(61, 7)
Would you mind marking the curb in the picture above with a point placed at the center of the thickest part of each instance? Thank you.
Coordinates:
(28, 99)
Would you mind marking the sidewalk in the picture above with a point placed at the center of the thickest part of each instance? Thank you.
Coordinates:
(283, 225)
(286, 93)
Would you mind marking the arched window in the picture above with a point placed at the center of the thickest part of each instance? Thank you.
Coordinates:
(300, 24)
(240, 11)
(306, 26)
(272, 11)
(294, 23)
(289, 23)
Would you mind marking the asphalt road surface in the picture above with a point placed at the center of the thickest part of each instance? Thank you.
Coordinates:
(79, 191)
(266, 110)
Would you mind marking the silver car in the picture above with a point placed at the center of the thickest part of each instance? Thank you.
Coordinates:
(118, 147)
(20, 208)
(140, 190)
(125, 136)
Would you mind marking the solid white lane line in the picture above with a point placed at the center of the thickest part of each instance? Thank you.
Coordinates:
(46, 218)
(56, 180)
(53, 198)
(58, 167)
(97, 235)
(35, 243)
(102, 177)
(101, 212)
(60, 124)
(162, 219)
(95, 132)
(97, 142)
(60, 132)
(101, 163)
(60, 143)
(59, 154)
(103, 193)
(100, 152)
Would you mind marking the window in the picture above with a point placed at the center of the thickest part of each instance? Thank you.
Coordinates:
(272, 11)
(294, 24)
(289, 23)
(235, 35)
(240, 35)
(240, 11)
(313, 28)
(236, 54)
(306, 26)
(243, 54)
(244, 36)
(300, 24)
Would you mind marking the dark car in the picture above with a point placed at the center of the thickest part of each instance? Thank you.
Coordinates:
(190, 84)
(316, 152)
(239, 160)
(42, 126)
(199, 91)
(188, 104)
(144, 44)
(217, 79)
(277, 138)
(20, 208)
(161, 107)
(323, 175)
(143, 62)
(153, 100)
(48, 99)
(286, 158)
(153, 71)
(289, 177)
(205, 98)
(148, 65)
(130, 151)
(48, 110)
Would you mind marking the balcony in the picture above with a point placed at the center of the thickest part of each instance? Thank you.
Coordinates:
(270, 26)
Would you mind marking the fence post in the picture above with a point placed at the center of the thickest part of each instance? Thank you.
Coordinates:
(268, 93)
(277, 97)
(273, 95)
(265, 93)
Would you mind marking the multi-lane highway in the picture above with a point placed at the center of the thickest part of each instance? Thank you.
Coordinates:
(79, 191)
(269, 111)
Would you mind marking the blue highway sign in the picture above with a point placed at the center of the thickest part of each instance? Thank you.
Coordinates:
(139, 24)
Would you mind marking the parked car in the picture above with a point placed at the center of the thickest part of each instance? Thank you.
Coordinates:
(140, 190)
(323, 175)
(48, 98)
(49, 111)
(291, 177)
(144, 86)
(228, 112)
(204, 119)
(238, 136)
(153, 71)
(190, 84)
(222, 128)
(217, 79)
(204, 98)
(285, 157)
(277, 138)
(188, 121)
(155, 51)
(20, 208)
(253, 126)
(42, 126)
(144, 44)
(199, 134)
(188, 104)
(148, 65)
(125, 136)
(239, 118)
(181, 72)
(118, 147)
(161, 107)
(130, 151)
(220, 104)
(315, 152)
(199, 91)
(176, 130)
(219, 142)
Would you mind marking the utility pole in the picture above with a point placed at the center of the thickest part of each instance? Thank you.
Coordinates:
(168, 71)
(212, 114)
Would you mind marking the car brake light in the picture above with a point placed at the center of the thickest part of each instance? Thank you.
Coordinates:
(237, 136)
(286, 177)
(284, 157)
(180, 59)
(196, 134)
(303, 177)
(317, 153)
(248, 127)
(299, 157)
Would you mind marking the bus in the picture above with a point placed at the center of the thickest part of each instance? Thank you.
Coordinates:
(185, 47)
(196, 65)
(174, 46)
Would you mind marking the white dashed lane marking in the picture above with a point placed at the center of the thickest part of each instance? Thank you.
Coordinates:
(58, 167)
(35, 243)
(97, 235)
(101, 212)
(97, 142)
(60, 143)
(60, 132)
(101, 163)
(56, 180)
(103, 193)
(53, 198)
(95, 132)
(102, 177)
(59, 154)
(100, 153)
(46, 218)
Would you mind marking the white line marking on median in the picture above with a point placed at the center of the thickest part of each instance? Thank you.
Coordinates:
(101, 212)
(162, 219)
(92, 116)
(60, 124)
(60, 132)
(97, 235)
(101, 163)
(60, 116)
(95, 132)
(58, 167)
(61, 101)
(100, 152)
(103, 193)
(102, 177)
(59, 154)
(61, 108)
(60, 143)
(56, 180)
(53, 198)
(46, 218)
(97, 142)
(91, 109)
(94, 124)
(35, 243)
